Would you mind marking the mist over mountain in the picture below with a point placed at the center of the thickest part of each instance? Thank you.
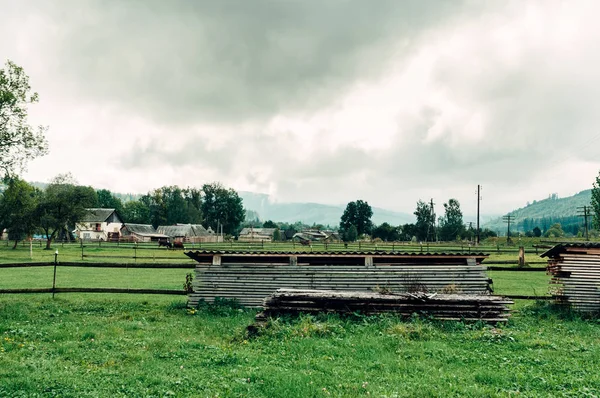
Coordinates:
(310, 213)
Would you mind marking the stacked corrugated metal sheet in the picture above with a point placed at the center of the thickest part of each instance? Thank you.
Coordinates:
(249, 277)
(575, 270)
(455, 307)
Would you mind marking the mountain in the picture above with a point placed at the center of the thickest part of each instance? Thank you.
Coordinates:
(544, 213)
(312, 213)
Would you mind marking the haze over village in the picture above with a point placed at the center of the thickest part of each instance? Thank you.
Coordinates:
(324, 103)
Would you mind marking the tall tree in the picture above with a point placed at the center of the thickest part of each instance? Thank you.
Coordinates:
(107, 200)
(19, 142)
(17, 209)
(424, 227)
(136, 212)
(222, 207)
(357, 213)
(62, 205)
(386, 232)
(596, 202)
(451, 224)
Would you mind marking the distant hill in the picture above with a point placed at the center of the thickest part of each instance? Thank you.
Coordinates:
(311, 213)
(544, 213)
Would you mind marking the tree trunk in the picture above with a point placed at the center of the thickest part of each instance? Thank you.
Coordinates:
(49, 243)
(15, 245)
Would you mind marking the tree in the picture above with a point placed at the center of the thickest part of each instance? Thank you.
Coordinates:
(19, 142)
(451, 225)
(350, 234)
(276, 235)
(555, 231)
(106, 200)
(537, 232)
(596, 202)
(17, 209)
(424, 227)
(62, 205)
(136, 212)
(359, 214)
(222, 207)
(386, 232)
(269, 224)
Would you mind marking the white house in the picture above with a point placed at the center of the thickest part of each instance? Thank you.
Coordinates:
(99, 224)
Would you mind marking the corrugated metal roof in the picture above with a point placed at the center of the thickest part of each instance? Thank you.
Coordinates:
(97, 215)
(186, 230)
(143, 230)
(562, 247)
(329, 253)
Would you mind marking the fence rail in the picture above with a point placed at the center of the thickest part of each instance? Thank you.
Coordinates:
(267, 245)
(93, 290)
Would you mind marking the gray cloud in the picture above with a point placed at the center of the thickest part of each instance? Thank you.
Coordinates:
(222, 61)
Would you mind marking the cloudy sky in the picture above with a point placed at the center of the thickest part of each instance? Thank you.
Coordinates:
(386, 101)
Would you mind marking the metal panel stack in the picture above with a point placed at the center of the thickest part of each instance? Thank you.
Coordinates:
(249, 277)
(575, 270)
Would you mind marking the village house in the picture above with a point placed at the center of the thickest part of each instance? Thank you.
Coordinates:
(99, 224)
(256, 235)
(194, 233)
(141, 233)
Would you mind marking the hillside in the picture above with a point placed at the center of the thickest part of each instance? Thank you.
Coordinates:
(310, 213)
(544, 213)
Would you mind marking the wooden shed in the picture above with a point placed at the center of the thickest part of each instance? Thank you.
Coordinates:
(249, 277)
(575, 270)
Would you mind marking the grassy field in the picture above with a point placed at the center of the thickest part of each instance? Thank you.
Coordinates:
(87, 346)
(80, 345)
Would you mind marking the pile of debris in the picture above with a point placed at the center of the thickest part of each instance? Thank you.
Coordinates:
(490, 309)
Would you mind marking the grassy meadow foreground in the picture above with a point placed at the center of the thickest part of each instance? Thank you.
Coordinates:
(77, 346)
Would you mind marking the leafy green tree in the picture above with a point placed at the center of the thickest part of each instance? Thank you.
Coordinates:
(136, 212)
(424, 227)
(451, 225)
(269, 224)
(555, 231)
(17, 209)
(19, 142)
(107, 200)
(62, 205)
(222, 207)
(386, 232)
(276, 235)
(408, 231)
(350, 234)
(357, 214)
(537, 232)
(596, 202)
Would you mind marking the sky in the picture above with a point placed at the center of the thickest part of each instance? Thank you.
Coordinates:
(310, 101)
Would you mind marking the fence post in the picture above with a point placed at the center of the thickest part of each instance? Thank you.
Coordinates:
(54, 277)
(81, 250)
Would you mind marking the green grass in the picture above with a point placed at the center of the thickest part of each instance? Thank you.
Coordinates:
(84, 347)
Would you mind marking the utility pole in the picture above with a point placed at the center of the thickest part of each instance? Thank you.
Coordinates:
(434, 235)
(478, 200)
(584, 212)
(508, 219)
